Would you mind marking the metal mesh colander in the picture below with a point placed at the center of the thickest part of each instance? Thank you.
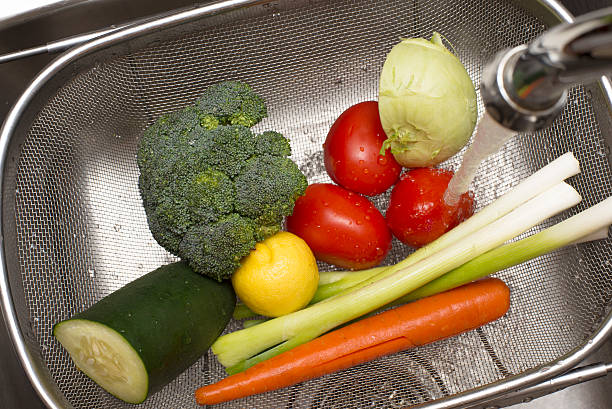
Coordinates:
(74, 228)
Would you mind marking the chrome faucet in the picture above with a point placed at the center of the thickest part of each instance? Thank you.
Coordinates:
(525, 88)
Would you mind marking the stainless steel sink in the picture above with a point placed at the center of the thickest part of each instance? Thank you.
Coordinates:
(65, 18)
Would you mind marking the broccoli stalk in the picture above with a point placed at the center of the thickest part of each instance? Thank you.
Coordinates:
(211, 188)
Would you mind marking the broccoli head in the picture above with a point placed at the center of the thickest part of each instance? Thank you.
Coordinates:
(232, 103)
(272, 143)
(211, 188)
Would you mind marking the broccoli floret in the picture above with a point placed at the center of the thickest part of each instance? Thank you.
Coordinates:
(267, 188)
(210, 187)
(272, 143)
(232, 146)
(216, 249)
(232, 103)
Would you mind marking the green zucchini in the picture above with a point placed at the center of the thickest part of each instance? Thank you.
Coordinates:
(137, 339)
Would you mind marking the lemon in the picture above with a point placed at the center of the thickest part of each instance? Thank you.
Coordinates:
(278, 277)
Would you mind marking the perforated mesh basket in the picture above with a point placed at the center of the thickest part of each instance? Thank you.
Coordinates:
(74, 228)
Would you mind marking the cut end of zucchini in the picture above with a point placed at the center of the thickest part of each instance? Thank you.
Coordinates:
(106, 357)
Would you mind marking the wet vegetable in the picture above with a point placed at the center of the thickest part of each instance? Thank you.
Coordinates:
(427, 102)
(340, 227)
(352, 151)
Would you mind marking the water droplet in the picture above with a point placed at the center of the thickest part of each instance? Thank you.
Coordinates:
(326, 204)
(359, 222)
(366, 171)
(361, 161)
(358, 204)
(382, 160)
(361, 148)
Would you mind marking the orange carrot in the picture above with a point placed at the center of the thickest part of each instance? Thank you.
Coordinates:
(421, 322)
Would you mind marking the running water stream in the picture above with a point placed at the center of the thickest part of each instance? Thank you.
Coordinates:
(489, 138)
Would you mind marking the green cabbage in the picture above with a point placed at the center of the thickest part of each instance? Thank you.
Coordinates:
(427, 102)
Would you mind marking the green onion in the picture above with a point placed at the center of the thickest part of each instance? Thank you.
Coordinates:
(591, 224)
(240, 348)
(335, 282)
(252, 323)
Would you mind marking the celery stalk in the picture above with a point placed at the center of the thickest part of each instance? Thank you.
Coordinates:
(306, 324)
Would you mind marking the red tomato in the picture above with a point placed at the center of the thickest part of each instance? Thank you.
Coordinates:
(417, 213)
(352, 151)
(340, 227)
